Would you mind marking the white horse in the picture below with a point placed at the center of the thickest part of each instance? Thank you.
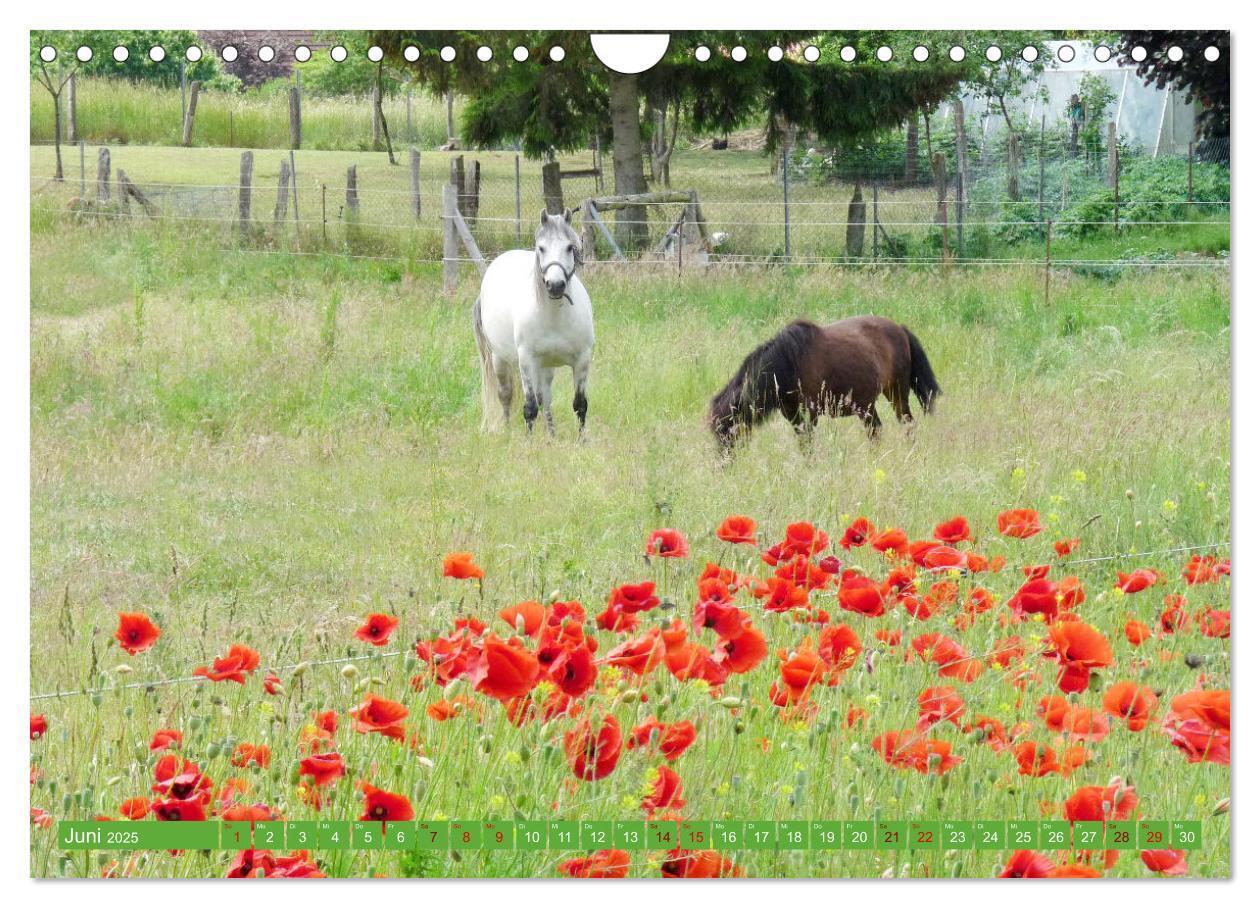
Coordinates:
(533, 316)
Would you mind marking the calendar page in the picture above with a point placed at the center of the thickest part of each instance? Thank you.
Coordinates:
(677, 454)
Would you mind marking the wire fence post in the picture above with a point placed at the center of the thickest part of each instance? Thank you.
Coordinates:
(1041, 171)
(1049, 232)
(415, 183)
(787, 216)
(450, 241)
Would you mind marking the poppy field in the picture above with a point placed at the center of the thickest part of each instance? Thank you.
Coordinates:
(279, 574)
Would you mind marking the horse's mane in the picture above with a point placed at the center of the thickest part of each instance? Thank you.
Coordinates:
(765, 374)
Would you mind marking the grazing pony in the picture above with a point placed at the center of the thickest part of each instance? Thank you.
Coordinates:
(533, 316)
(808, 370)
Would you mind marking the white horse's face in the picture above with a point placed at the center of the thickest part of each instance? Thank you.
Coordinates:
(555, 246)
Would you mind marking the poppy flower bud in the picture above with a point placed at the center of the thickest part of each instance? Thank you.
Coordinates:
(349, 671)
(123, 669)
(731, 702)
(300, 669)
(630, 696)
(212, 750)
(1222, 806)
(96, 699)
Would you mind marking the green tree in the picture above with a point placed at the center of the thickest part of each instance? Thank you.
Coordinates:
(550, 107)
(137, 67)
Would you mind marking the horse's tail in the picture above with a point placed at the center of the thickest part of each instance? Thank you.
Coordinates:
(766, 374)
(922, 380)
(491, 410)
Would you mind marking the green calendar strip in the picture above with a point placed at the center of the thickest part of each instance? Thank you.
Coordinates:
(631, 835)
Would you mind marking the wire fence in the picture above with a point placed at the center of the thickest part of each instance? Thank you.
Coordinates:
(959, 202)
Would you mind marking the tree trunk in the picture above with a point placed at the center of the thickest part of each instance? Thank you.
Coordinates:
(623, 104)
(912, 150)
(60, 175)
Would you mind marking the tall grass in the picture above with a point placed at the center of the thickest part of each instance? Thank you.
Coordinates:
(113, 111)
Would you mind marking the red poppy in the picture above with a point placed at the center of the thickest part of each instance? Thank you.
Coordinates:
(593, 752)
(1126, 700)
(803, 539)
(952, 531)
(857, 534)
(272, 684)
(1036, 759)
(861, 594)
(738, 530)
(461, 566)
(385, 806)
(1037, 597)
(239, 661)
(1019, 523)
(134, 808)
(324, 769)
(377, 629)
(39, 726)
(1078, 648)
(175, 809)
(1136, 631)
(1027, 865)
(909, 749)
(666, 793)
(1214, 623)
(608, 864)
(782, 595)
(891, 540)
(1065, 547)
(667, 544)
(1082, 871)
(1166, 861)
(136, 632)
(246, 753)
(1203, 569)
(952, 660)
(940, 704)
(384, 717)
(742, 652)
(1099, 804)
(524, 617)
(839, 646)
(638, 656)
(1199, 724)
(504, 670)
(698, 865)
(631, 598)
(943, 558)
(1139, 580)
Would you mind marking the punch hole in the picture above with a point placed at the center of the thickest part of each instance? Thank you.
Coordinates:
(121, 54)
(993, 53)
(703, 54)
(1175, 54)
(848, 54)
(556, 53)
(812, 54)
(157, 53)
(447, 54)
(1066, 53)
(520, 53)
(1029, 53)
(485, 54)
(375, 54)
(1212, 54)
(1138, 53)
(920, 54)
(229, 53)
(957, 53)
(338, 54)
(266, 53)
(84, 53)
(884, 53)
(301, 53)
(411, 53)
(738, 53)
(192, 54)
(48, 53)
(1102, 53)
(775, 54)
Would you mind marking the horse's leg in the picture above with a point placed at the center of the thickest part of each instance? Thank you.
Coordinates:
(548, 375)
(504, 381)
(899, 397)
(803, 419)
(531, 382)
(581, 370)
(870, 418)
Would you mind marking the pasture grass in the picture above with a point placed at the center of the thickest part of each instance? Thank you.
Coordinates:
(264, 448)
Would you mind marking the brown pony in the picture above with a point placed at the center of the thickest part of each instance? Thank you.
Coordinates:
(841, 369)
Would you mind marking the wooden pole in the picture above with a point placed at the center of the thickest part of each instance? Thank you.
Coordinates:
(410, 135)
(415, 181)
(102, 175)
(1049, 233)
(450, 240)
(376, 118)
(72, 104)
(1113, 171)
(247, 176)
(960, 153)
(787, 213)
(352, 189)
(942, 203)
(295, 117)
(553, 189)
(472, 191)
(193, 91)
(457, 180)
(323, 210)
(874, 220)
(282, 193)
(588, 232)
(293, 182)
(1041, 171)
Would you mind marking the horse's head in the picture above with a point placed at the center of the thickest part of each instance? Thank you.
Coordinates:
(556, 247)
(729, 417)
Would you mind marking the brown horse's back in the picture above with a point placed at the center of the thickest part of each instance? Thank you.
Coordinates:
(854, 362)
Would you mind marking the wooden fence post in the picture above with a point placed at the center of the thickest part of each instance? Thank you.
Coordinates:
(450, 240)
(960, 152)
(856, 232)
(553, 189)
(193, 91)
(472, 192)
(457, 180)
(588, 232)
(942, 203)
(124, 203)
(352, 189)
(102, 176)
(247, 177)
(415, 183)
(72, 104)
(376, 118)
(295, 117)
(282, 192)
